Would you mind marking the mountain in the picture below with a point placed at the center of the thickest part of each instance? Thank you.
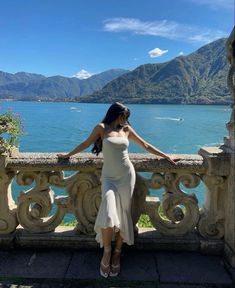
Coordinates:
(34, 86)
(199, 78)
(8, 78)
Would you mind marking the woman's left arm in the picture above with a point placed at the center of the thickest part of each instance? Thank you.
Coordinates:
(147, 146)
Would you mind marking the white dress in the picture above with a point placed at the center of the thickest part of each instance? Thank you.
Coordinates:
(118, 181)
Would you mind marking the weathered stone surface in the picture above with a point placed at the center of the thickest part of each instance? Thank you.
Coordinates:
(212, 214)
(62, 237)
(147, 239)
(8, 220)
(35, 264)
(88, 161)
(3, 162)
(136, 266)
(199, 269)
(230, 218)
(138, 269)
(84, 265)
(30, 284)
(217, 161)
(181, 286)
(176, 221)
(7, 241)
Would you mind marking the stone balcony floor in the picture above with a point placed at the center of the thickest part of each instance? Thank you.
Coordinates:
(80, 268)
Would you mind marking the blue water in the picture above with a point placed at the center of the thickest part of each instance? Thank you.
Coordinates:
(54, 127)
(172, 128)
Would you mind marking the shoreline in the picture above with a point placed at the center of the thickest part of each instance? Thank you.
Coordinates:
(128, 103)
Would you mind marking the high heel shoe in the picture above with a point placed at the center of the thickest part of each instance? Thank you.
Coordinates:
(115, 269)
(105, 269)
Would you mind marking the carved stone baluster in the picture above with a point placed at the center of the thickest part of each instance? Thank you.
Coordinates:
(177, 221)
(8, 219)
(211, 224)
(85, 192)
(35, 204)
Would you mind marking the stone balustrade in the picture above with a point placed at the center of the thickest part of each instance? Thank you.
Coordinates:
(39, 210)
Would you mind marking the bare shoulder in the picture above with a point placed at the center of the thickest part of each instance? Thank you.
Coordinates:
(100, 127)
(127, 128)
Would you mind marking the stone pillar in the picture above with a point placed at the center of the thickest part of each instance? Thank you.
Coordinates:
(229, 148)
(212, 215)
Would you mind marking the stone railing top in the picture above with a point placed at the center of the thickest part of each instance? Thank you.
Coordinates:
(87, 161)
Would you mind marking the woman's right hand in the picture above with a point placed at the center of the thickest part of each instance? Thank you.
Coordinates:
(173, 160)
(63, 156)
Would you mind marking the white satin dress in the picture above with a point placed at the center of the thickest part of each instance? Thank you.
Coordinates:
(118, 181)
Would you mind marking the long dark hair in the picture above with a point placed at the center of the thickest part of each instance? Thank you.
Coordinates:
(114, 111)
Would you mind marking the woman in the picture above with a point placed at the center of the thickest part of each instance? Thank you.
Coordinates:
(118, 180)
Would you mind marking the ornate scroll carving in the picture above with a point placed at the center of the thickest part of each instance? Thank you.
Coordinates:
(36, 203)
(8, 220)
(175, 219)
(211, 223)
(85, 192)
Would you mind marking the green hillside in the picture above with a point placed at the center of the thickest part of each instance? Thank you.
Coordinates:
(30, 86)
(199, 78)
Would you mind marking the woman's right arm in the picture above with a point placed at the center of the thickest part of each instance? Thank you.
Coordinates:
(95, 134)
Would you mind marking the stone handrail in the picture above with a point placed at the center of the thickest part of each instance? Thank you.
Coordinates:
(175, 215)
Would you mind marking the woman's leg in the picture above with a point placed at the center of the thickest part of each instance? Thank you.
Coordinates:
(107, 235)
(115, 266)
(118, 241)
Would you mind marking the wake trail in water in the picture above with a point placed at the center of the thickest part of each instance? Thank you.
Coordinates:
(170, 118)
(75, 109)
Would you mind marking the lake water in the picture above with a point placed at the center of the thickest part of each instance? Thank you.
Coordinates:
(172, 128)
(54, 127)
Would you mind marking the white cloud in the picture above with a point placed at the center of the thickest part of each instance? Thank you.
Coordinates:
(82, 74)
(181, 53)
(215, 4)
(157, 52)
(164, 28)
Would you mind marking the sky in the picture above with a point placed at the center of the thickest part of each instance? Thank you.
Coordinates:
(85, 37)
